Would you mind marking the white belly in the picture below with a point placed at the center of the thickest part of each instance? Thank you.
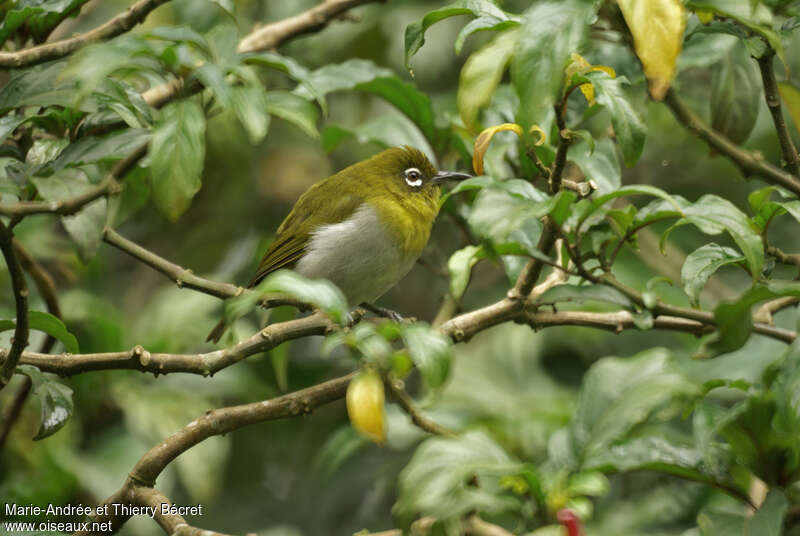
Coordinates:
(358, 255)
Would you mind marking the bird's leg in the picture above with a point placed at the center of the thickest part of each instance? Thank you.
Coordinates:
(394, 316)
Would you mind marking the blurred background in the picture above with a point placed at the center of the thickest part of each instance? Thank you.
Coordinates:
(313, 475)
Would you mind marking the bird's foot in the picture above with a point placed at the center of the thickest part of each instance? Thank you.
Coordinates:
(394, 316)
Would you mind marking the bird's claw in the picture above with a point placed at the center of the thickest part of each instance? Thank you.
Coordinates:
(394, 316)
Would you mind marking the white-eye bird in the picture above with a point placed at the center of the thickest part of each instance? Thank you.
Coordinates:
(362, 228)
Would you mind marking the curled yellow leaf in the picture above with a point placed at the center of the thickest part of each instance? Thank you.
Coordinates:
(540, 132)
(482, 143)
(365, 399)
(657, 28)
(580, 65)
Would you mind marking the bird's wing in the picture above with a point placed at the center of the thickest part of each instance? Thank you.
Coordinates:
(328, 202)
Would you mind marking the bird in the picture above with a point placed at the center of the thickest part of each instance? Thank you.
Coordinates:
(362, 228)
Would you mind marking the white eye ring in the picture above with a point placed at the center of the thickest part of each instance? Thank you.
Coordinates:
(413, 177)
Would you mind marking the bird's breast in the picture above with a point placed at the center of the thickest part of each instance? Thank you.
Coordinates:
(361, 255)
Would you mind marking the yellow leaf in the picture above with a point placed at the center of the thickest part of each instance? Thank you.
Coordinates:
(579, 65)
(657, 27)
(791, 96)
(542, 135)
(482, 143)
(365, 398)
(705, 15)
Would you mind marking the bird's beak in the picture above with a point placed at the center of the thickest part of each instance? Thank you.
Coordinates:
(444, 176)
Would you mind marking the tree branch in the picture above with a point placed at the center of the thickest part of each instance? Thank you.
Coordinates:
(417, 417)
(120, 24)
(749, 163)
(20, 290)
(773, 98)
(109, 185)
(44, 284)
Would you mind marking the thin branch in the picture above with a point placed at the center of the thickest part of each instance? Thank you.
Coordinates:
(476, 526)
(397, 389)
(120, 24)
(44, 284)
(20, 290)
(109, 185)
(773, 98)
(533, 268)
(216, 422)
(764, 313)
(784, 258)
(749, 163)
(173, 524)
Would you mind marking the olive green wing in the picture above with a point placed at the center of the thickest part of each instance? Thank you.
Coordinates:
(327, 202)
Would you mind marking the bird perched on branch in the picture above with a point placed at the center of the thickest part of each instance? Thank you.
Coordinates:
(362, 228)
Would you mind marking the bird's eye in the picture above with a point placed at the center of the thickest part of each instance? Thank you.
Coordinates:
(413, 177)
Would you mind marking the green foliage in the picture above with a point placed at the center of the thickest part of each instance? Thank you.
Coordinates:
(55, 400)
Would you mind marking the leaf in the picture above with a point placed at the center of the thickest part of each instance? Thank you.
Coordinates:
(460, 267)
(551, 31)
(295, 110)
(85, 227)
(767, 520)
(483, 140)
(430, 351)
(37, 16)
(629, 127)
(634, 189)
(701, 264)
(436, 482)
(600, 166)
(213, 78)
(487, 17)
(481, 74)
(177, 153)
(389, 130)
(579, 294)
(657, 27)
(735, 95)
(251, 107)
(47, 323)
(791, 97)
(108, 148)
(9, 123)
(618, 394)
(54, 398)
(39, 86)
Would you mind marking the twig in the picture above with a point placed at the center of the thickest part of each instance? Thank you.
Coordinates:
(109, 185)
(749, 163)
(120, 24)
(533, 268)
(432, 427)
(215, 422)
(773, 98)
(173, 524)
(764, 313)
(44, 284)
(20, 290)
(784, 258)
(476, 526)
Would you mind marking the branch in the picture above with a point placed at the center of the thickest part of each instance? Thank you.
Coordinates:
(20, 290)
(407, 403)
(120, 24)
(749, 163)
(44, 284)
(216, 422)
(773, 98)
(109, 185)
(172, 524)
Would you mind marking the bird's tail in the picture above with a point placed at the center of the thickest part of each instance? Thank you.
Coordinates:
(216, 333)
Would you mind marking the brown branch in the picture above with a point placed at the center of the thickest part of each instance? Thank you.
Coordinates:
(749, 163)
(109, 185)
(764, 313)
(476, 526)
(173, 524)
(44, 284)
(215, 422)
(790, 158)
(20, 290)
(397, 389)
(120, 24)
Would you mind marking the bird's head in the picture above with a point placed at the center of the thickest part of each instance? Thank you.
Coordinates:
(407, 172)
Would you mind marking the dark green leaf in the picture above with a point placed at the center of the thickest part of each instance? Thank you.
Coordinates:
(54, 398)
(92, 149)
(252, 108)
(41, 321)
(38, 17)
(9, 123)
(388, 130)
(701, 264)
(635, 189)
(177, 152)
(40, 85)
(767, 521)
(580, 294)
(735, 95)
(629, 127)
(182, 34)
(551, 32)
(134, 195)
(213, 78)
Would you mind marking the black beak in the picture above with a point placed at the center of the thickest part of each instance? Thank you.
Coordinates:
(444, 176)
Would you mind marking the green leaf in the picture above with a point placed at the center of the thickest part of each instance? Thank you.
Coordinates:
(125, 101)
(601, 166)
(634, 189)
(389, 130)
(55, 400)
(177, 153)
(213, 78)
(108, 148)
(767, 521)
(9, 123)
(430, 351)
(86, 227)
(460, 267)
(251, 106)
(580, 294)
(550, 33)
(481, 74)
(295, 110)
(182, 34)
(618, 394)
(436, 482)
(39, 86)
(487, 17)
(629, 127)
(701, 264)
(133, 197)
(735, 95)
(52, 325)
(38, 17)
(307, 87)
(791, 97)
